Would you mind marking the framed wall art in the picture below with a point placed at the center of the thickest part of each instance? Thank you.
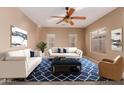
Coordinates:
(18, 37)
(116, 37)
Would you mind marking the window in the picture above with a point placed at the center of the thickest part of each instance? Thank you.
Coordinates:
(50, 40)
(98, 40)
(72, 40)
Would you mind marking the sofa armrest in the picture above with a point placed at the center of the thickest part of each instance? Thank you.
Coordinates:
(79, 52)
(108, 60)
(50, 51)
(12, 69)
(105, 62)
(15, 58)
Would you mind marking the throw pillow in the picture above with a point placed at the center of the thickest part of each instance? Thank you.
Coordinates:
(59, 50)
(31, 53)
(64, 50)
(54, 50)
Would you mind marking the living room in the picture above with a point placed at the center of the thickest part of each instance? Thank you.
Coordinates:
(64, 35)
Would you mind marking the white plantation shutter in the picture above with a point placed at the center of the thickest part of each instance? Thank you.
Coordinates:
(50, 40)
(98, 40)
(72, 40)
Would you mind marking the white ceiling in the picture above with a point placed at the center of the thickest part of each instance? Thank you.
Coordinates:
(41, 15)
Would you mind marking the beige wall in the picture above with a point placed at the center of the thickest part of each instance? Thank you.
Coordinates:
(13, 16)
(62, 35)
(112, 20)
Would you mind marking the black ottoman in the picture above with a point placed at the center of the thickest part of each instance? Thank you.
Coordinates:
(66, 66)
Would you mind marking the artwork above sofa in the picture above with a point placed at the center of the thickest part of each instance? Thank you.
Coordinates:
(68, 52)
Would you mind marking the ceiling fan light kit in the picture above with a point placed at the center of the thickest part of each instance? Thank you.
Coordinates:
(68, 18)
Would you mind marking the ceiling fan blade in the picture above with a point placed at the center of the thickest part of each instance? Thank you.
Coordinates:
(58, 16)
(78, 17)
(71, 22)
(70, 11)
(60, 21)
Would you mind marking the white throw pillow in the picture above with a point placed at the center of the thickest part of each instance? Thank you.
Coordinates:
(61, 50)
(54, 50)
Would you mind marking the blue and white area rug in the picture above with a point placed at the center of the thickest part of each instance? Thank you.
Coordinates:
(43, 72)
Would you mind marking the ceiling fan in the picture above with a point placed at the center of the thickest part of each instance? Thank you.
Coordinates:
(68, 18)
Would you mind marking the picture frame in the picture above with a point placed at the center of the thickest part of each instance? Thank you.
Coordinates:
(18, 37)
(117, 40)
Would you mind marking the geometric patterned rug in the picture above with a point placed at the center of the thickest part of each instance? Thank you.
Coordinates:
(42, 72)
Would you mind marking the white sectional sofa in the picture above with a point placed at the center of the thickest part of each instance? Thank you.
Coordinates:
(18, 64)
(71, 52)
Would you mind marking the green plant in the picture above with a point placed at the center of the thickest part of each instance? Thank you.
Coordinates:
(42, 45)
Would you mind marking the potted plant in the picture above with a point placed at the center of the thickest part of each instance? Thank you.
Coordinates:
(42, 46)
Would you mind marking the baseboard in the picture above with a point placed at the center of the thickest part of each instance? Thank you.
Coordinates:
(93, 60)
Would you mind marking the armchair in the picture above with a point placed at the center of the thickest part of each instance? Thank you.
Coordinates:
(111, 69)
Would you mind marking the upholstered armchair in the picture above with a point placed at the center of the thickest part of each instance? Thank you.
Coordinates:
(111, 69)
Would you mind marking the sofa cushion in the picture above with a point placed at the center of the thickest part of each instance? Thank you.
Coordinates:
(71, 54)
(64, 55)
(71, 49)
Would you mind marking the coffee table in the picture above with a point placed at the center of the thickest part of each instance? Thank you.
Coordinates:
(62, 65)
